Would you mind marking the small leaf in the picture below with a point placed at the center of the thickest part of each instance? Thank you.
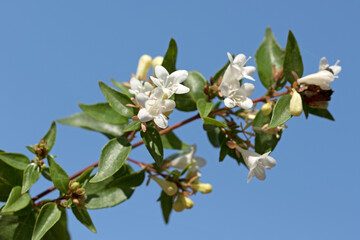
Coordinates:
(48, 216)
(281, 112)
(31, 175)
(31, 149)
(221, 72)
(324, 113)
(213, 136)
(58, 175)
(166, 205)
(269, 54)
(171, 141)
(84, 176)
(59, 230)
(124, 89)
(113, 156)
(83, 216)
(212, 121)
(293, 60)
(134, 125)
(17, 227)
(85, 121)
(16, 201)
(46, 174)
(16, 160)
(204, 107)
(169, 61)
(132, 180)
(50, 136)
(153, 143)
(224, 150)
(9, 178)
(103, 113)
(117, 100)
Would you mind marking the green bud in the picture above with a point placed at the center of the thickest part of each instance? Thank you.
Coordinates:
(202, 187)
(179, 204)
(266, 109)
(76, 201)
(74, 186)
(169, 188)
(296, 106)
(63, 204)
(143, 68)
(80, 191)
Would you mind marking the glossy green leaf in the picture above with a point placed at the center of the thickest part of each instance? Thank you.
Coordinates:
(31, 149)
(16, 160)
(131, 180)
(113, 156)
(46, 174)
(16, 201)
(17, 227)
(102, 195)
(204, 107)
(324, 113)
(293, 60)
(187, 102)
(47, 218)
(124, 89)
(171, 141)
(169, 61)
(281, 112)
(212, 121)
(224, 150)
(118, 101)
(269, 54)
(31, 175)
(166, 205)
(9, 178)
(153, 143)
(134, 125)
(85, 175)
(85, 121)
(264, 142)
(221, 72)
(103, 113)
(50, 136)
(59, 230)
(83, 216)
(213, 136)
(58, 175)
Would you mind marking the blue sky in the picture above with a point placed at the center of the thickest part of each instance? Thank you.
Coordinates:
(52, 55)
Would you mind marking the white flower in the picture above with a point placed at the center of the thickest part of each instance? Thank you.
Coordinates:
(237, 70)
(257, 163)
(236, 95)
(184, 160)
(154, 108)
(137, 86)
(325, 75)
(170, 84)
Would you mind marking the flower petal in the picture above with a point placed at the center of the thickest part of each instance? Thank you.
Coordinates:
(144, 116)
(321, 79)
(161, 121)
(230, 57)
(246, 103)
(135, 84)
(141, 98)
(336, 69)
(240, 59)
(161, 72)
(259, 173)
(168, 105)
(181, 89)
(248, 88)
(158, 82)
(323, 64)
(230, 103)
(200, 162)
(178, 76)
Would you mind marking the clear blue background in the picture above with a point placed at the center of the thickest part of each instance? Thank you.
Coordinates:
(52, 55)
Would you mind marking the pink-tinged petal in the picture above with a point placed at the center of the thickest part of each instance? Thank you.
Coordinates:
(248, 88)
(247, 103)
(230, 103)
(161, 121)
(141, 98)
(168, 105)
(178, 76)
(144, 116)
(158, 82)
(323, 64)
(161, 72)
(181, 89)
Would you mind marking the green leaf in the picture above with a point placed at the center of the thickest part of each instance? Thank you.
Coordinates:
(83, 216)
(264, 142)
(102, 195)
(17, 227)
(281, 112)
(187, 102)
(103, 113)
(124, 89)
(16, 201)
(113, 156)
(221, 72)
(48, 216)
(224, 150)
(212, 121)
(269, 54)
(31, 175)
(50, 136)
(85, 121)
(9, 178)
(132, 180)
(16, 160)
(324, 113)
(171, 141)
(293, 60)
(58, 175)
(166, 205)
(118, 101)
(213, 136)
(169, 61)
(134, 125)
(204, 107)
(31, 149)
(46, 174)
(84, 176)
(153, 143)
(59, 230)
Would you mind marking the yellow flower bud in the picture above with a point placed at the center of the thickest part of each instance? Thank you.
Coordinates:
(202, 187)
(188, 203)
(157, 61)
(143, 68)
(169, 188)
(266, 108)
(296, 106)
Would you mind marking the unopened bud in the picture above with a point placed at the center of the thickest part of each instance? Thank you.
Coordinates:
(157, 61)
(74, 186)
(63, 204)
(202, 187)
(179, 204)
(296, 106)
(188, 203)
(76, 201)
(80, 191)
(143, 68)
(266, 109)
(168, 187)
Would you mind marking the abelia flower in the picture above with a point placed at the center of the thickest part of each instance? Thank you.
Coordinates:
(170, 83)
(257, 163)
(237, 70)
(137, 86)
(237, 96)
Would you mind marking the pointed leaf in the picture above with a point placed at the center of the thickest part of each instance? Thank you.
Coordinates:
(16, 160)
(46, 174)
(9, 178)
(124, 89)
(204, 107)
(281, 112)
(16, 201)
(131, 180)
(213, 136)
(113, 156)
(166, 205)
(83, 216)
(171, 141)
(134, 125)
(31, 149)
(212, 121)
(169, 61)
(85, 175)
(48, 216)
(153, 143)
(58, 175)
(293, 60)
(59, 230)
(50, 136)
(31, 175)
(103, 113)
(17, 227)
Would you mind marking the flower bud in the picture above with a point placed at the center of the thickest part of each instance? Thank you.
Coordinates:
(76, 201)
(188, 203)
(74, 186)
(169, 188)
(202, 187)
(157, 61)
(80, 191)
(296, 107)
(179, 204)
(266, 108)
(63, 204)
(143, 66)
